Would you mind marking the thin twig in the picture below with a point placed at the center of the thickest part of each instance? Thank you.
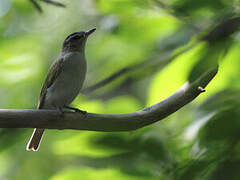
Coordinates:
(55, 3)
(222, 31)
(154, 64)
(107, 80)
(38, 7)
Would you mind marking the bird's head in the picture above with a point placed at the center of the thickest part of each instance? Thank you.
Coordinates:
(76, 41)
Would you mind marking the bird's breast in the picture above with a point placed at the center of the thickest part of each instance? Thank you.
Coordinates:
(69, 82)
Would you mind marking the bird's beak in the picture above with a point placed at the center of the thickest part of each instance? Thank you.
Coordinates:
(90, 31)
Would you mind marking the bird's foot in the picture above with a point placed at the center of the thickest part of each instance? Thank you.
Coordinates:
(80, 111)
(76, 110)
(60, 110)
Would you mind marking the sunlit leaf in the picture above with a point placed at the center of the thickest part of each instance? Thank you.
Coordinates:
(210, 56)
(90, 174)
(173, 76)
(82, 145)
(123, 104)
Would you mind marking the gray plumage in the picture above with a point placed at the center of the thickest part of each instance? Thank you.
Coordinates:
(64, 80)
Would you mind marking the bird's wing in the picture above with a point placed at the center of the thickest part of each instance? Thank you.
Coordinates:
(53, 73)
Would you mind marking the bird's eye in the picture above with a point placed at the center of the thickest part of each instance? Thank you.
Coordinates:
(77, 37)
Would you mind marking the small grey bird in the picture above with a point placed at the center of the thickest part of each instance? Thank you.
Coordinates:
(64, 80)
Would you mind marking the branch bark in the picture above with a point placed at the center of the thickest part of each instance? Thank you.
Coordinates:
(51, 119)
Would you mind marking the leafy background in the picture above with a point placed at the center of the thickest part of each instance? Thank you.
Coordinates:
(161, 40)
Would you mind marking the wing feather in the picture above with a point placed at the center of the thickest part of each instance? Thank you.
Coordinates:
(53, 73)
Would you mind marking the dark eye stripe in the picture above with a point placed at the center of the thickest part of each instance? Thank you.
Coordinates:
(73, 35)
(77, 37)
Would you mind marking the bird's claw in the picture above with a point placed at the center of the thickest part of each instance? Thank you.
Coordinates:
(80, 111)
(60, 111)
(76, 110)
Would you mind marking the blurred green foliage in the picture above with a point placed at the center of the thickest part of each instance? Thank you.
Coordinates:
(169, 42)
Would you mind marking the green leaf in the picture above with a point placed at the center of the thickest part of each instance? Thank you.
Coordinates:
(210, 55)
(99, 174)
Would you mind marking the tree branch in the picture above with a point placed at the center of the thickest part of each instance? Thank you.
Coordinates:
(38, 7)
(51, 119)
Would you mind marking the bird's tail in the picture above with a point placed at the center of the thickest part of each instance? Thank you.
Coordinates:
(35, 140)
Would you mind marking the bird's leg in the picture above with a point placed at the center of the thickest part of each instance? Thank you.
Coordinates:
(60, 110)
(75, 109)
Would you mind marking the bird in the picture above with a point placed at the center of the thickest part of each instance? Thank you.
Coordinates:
(63, 81)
